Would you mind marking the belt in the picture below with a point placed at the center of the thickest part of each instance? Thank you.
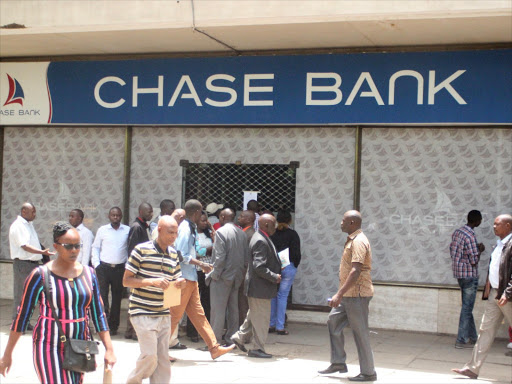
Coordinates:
(29, 261)
(111, 265)
(64, 320)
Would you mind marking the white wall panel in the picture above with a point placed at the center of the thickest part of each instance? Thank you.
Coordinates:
(58, 169)
(418, 186)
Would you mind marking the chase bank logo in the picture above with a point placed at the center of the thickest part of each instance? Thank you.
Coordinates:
(16, 95)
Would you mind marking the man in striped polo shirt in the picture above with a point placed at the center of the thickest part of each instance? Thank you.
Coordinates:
(151, 267)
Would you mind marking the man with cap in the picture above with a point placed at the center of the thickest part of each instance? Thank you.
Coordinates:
(213, 211)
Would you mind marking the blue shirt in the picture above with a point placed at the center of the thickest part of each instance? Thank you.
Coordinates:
(186, 244)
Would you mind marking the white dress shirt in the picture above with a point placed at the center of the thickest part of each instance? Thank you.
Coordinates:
(494, 268)
(110, 245)
(21, 233)
(86, 238)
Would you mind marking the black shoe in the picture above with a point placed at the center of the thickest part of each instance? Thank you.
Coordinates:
(341, 368)
(282, 332)
(178, 346)
(259, 353)
(239, 344)
(362, 377)
(272, 330)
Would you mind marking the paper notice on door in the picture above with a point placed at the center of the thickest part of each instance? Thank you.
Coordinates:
(172, 296)
(284, 256)
(248, 196)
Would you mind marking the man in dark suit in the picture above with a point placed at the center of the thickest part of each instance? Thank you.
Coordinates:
(230, 259)
(245, 221)
(261, 282)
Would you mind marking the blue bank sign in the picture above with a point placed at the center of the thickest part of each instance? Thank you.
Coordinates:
(463, 87)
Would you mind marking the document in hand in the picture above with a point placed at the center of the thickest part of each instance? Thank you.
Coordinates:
(284, 256)
(172, 296)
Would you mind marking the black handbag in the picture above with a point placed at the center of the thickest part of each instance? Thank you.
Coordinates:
(79, 355)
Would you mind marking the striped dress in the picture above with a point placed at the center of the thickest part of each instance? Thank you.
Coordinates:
(71, 300)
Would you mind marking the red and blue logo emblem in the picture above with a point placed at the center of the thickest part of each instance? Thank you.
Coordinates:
(16, 95)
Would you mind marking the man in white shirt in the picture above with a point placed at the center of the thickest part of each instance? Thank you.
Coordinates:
(109, 255)
(25, 250)
(76, 218)
(498, 290)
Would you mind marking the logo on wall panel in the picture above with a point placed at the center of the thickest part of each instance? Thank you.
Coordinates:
(15, 95)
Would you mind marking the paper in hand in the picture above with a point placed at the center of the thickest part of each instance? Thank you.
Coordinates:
(284, 256)
(172, 296)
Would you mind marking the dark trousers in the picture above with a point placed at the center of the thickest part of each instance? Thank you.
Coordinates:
(111, 279)
(21, 269)
(204, 295)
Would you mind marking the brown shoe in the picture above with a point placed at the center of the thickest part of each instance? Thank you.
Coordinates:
(220, 350)
(465, 372)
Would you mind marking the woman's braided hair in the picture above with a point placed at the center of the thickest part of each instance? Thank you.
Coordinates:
(59, 229)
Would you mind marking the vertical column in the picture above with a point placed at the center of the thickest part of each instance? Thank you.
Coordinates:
(1, 166)
(357, 168)
(127, 172)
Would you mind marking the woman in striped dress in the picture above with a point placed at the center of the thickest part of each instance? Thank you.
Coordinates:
(75, 295)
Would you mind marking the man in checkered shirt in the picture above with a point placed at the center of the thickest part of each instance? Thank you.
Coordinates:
(465, 253)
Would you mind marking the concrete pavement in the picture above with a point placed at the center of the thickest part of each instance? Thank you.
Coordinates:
(400, 357)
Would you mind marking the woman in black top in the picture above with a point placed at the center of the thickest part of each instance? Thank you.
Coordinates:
(284, 238)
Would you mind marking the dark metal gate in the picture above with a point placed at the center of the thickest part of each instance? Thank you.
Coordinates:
(226, 183)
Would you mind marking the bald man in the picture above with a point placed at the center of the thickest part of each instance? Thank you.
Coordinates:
(498, 292)
(246, 222)
(139, 233)
(261, 281)
(150, 318)
(350, 304)
(230, 258)
(25, 250)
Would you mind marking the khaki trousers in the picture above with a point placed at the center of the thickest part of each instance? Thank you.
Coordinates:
(491, 321)
(153, 336)
(255, 326)
(191, 304)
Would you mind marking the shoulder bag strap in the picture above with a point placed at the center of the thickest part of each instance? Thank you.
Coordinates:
(48, 292)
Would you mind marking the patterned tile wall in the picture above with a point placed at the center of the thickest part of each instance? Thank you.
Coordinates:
(418, 186)
(58, 169)
(324, 182)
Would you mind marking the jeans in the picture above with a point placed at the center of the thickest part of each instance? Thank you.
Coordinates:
(467, 329)
(278, 304)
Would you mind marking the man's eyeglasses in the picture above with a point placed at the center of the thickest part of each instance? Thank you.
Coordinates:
(69, 247)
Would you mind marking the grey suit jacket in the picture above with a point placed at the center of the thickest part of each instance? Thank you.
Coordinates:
(230, 254)
(264, 268)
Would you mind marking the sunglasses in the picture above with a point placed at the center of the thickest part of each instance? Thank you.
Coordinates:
(69, 247)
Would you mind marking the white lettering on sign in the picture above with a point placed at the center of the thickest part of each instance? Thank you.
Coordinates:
(158, 90)
(334, 88)
(315, 94)
(185, 79)
(365, 76)
(99, 84)
(396, 75)
(433, 88)
(216, 88)
(248, 89)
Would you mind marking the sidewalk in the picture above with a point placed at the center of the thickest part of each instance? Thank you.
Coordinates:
(400, 357)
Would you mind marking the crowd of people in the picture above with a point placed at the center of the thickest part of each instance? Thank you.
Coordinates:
(233, 276)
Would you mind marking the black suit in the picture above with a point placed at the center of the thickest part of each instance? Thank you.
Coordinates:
(261, 287)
